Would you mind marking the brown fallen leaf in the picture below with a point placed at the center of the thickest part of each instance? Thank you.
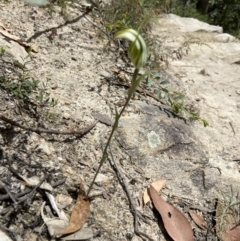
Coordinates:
(17, 39)
(158, 185)
(79, 213)
(232, 235)
(227, 230)
(198, 220)
(175, 222)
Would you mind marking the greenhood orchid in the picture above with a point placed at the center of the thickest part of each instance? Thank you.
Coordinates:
(137, 50)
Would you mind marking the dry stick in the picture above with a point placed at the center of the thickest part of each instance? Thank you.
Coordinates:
(133, 209)
(8, 192)
(38, 34)
(30, 195)
(18, 195)
(40, 130)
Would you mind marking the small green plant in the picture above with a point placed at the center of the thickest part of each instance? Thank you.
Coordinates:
(157, 64)
(22, 89)
(120, 24)
(41, 93)
(138, 55)
(119, 15)
(21, 84)
(2, 51)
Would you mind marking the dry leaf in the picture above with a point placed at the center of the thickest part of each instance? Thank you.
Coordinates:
(52, 201)
(17, 39)
(232, 235)
(34, 181)
(79, 213)
(175, 222)
(158, 185)
(82, 234)
(198, 219)
(54, 225)
(227, 231)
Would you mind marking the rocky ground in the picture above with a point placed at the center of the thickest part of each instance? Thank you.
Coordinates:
(87, 78)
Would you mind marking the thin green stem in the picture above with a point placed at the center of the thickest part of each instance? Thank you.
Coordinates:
(135, 82)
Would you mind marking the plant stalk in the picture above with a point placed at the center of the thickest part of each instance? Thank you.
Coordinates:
(135, 82)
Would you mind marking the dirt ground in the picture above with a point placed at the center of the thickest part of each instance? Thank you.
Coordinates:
(74, 67)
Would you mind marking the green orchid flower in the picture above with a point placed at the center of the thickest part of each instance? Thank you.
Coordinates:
(137, 50)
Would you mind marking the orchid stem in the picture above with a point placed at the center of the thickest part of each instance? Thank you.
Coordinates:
(115, 125)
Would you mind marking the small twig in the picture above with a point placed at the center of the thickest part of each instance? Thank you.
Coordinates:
(30, 195)
(134, 211)
(27, 191)
(39, 33)
(58, 183)
(8, 192)
(230, 123)
(10, 211)
(40, 130)
(16, 196)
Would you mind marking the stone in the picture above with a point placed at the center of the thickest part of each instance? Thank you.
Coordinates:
(172, 22)
(101, 179)
(63, 201)
(14, 50)
(165, 148)
(224, 37)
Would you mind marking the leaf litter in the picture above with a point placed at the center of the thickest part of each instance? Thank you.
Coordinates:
(175, 223)
(198, 220)
(59, 226)
(227, 222)
(79, 213)
(158, 185)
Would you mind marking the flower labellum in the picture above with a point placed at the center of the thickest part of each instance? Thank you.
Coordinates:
(137, 50)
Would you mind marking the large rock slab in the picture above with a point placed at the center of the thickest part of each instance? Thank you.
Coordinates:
(166, 148)
(210, 74)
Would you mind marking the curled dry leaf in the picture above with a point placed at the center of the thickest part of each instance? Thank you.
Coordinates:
(198, 219)
(54, 225)
(158, 185)
(60, 214)
(175, 222)
(79, 213)
(82, 234)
